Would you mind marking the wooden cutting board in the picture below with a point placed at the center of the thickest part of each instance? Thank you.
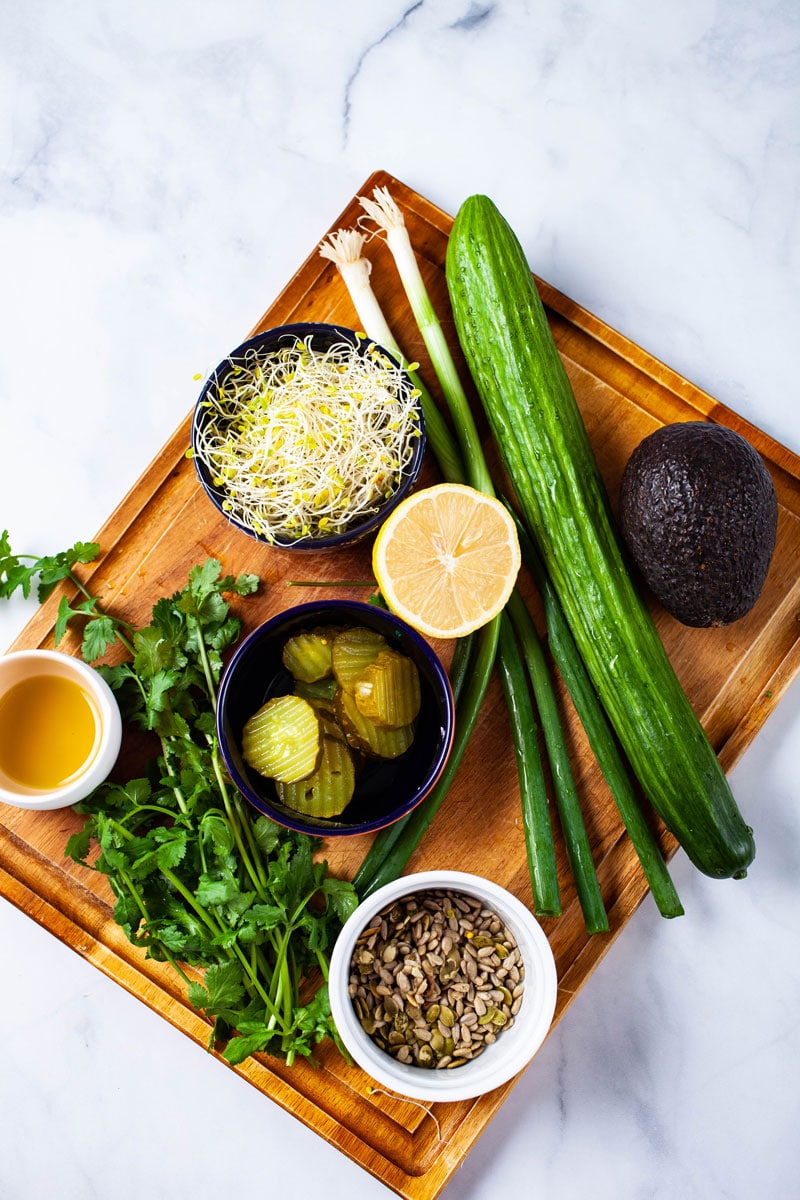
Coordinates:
(734, 678)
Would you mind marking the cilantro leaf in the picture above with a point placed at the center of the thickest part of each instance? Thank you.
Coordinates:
(221, 992)
(55, 568)
(66, 611)
(342, 896)
(98, 635)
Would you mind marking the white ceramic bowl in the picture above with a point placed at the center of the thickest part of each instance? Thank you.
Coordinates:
(499, 1062)
(23, 664)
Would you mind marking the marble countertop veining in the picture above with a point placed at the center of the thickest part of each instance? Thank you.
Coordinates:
(166, 166)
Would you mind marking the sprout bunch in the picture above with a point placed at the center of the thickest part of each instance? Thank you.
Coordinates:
(306, 443)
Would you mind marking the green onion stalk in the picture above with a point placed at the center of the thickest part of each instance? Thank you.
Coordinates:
(386, 214)
(536, 823)
(393, 847)
(576, 838)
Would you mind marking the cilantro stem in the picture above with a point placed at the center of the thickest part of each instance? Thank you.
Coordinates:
(256, 872)
(141, 905)
(202, 913)
(135, 813)
(323, 965)
(218, 930)
(202, 651)
(177, 791)
(253, 976)
(330, 583)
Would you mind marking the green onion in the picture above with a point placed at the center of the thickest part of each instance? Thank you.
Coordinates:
(385, 213)
(533, 788)
(383, 210)
(393, 847)
(386, 838)
(572, 823)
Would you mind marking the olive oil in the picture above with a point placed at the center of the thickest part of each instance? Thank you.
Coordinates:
(48, 732)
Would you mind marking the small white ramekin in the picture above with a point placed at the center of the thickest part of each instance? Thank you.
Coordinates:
(499, 1062)
(22, 664)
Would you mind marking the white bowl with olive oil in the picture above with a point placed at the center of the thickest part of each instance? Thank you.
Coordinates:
(60, 729)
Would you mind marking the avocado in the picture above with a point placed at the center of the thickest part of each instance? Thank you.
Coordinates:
(698, 511)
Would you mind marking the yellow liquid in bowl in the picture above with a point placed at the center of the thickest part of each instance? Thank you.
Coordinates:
(48, 729)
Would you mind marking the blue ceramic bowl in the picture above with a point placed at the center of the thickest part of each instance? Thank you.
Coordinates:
(324, 336)
(385, 790)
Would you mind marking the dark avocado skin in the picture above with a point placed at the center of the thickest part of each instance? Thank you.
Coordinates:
(698, 511)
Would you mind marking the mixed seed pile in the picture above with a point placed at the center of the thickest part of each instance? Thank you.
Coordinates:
(436, 978)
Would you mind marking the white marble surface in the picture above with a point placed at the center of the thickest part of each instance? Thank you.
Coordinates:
(166, 165)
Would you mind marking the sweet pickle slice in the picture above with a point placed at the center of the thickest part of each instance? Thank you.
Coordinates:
(353, 651)
(376, 741)
(388, 692)
(307, 654)
(282, 739)
(329, 790)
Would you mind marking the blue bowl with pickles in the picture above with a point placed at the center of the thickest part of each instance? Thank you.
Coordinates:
(335, 718)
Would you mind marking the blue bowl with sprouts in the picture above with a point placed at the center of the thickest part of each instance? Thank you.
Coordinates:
(307, 436)
(386, 783)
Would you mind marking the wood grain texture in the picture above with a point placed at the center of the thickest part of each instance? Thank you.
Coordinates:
(734, 678)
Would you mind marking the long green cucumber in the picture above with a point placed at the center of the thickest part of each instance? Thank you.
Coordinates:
(541, 437)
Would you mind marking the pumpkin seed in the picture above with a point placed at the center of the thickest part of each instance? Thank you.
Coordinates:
(437, 1042)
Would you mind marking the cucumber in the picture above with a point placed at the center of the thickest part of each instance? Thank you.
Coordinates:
(542, 440)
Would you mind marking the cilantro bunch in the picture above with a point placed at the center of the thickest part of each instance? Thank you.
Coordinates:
(199, 879)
